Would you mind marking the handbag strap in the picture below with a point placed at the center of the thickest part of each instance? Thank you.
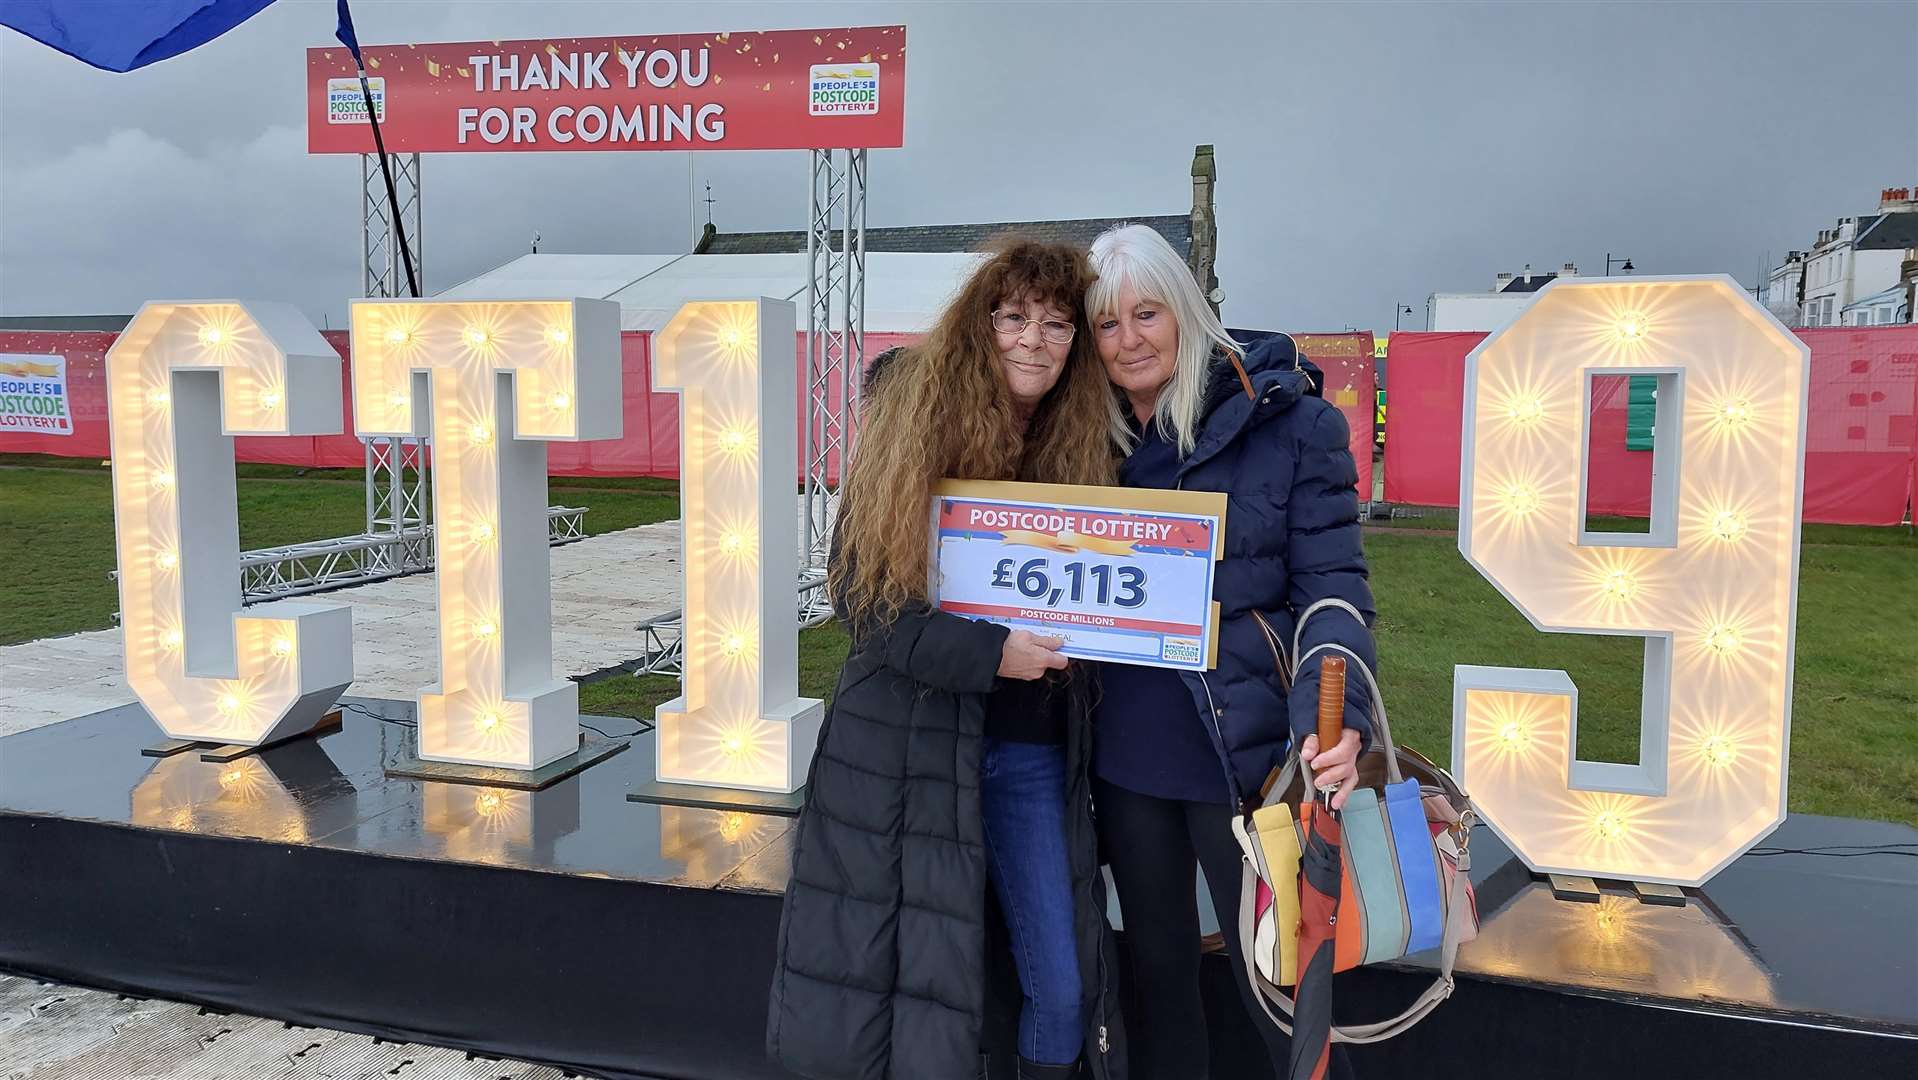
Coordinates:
(1457, 910)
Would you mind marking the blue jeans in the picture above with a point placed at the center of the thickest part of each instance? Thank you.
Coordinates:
(1022, 792)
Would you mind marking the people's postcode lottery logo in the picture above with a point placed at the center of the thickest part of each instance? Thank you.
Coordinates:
(843, 90)
(33, 395)
(1181, 650)
(346, 104)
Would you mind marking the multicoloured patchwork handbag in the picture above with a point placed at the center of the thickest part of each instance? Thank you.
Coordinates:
(1405, 887)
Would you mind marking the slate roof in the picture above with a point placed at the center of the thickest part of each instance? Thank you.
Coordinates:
(1891, 232)
(110, 323)
(1520, 285)
(1176, 228)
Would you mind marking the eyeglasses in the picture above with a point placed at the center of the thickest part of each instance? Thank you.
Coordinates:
(1011, 322)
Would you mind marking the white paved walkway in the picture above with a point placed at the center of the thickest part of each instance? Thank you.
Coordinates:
(53, 1032)
(602, 587)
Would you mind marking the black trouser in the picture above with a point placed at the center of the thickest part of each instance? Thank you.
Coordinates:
(1151, 845)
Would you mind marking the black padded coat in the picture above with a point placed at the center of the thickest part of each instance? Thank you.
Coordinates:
(882, 969)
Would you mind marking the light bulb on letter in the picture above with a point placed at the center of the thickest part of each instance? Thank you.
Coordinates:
(487, 722)
(1525, 411)
(398, 336)
(558, 335)
(485, 629)
(212, 335)
(1717, 750)
(559, 401)
(1728, 526)
(1619, 585)
(282, 647)
(269, 399)
(480, 434)
(1722, 639)
(734, 441)
(166, 560)
(477, 337)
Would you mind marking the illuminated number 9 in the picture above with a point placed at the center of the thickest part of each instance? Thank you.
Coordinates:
(506, 378)
(1712, 588)
(182, 380)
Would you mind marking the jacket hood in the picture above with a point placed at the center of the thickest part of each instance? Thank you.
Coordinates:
(1279, 379)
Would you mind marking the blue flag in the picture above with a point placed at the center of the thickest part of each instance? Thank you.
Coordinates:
(120, 35)
(346, 35)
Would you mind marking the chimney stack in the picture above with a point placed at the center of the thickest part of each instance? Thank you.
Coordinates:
(1205, 224)
(1499, 283)
(1568, 270)
(1896, 200)
(1528, 273)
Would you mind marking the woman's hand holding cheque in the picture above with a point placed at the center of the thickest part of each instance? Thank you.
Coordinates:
(1027, 655)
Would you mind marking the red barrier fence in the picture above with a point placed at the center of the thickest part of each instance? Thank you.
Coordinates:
(1347, 362)
(1861, 432)
(649, 447)
(1861, 466)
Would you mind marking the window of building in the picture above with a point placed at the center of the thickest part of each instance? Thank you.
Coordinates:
(1824, 318)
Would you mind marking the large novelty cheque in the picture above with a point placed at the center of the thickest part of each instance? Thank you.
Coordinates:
(1123, 575)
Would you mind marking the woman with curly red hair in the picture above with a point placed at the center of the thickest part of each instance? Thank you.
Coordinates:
(955, 759)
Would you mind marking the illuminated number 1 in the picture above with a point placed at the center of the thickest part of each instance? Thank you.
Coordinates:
(1712, 588)
(739, 721)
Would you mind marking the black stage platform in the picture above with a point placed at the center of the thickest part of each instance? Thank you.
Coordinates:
(626, 939)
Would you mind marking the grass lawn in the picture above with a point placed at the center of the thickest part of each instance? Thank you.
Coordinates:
(61, 510)
(1855, 712)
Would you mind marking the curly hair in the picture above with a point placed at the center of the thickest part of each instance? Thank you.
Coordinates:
(942, 411)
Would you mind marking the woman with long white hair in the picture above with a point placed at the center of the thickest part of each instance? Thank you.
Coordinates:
(1194, 409)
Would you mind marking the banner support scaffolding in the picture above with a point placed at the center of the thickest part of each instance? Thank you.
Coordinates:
(835, 354)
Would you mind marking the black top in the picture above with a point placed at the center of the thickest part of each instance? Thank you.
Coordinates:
(1028, 710)
(1147, 734)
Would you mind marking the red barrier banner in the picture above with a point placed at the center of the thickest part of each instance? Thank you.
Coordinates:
(648, 447)
(1861, 430)
(766, 90)
(1348, 363)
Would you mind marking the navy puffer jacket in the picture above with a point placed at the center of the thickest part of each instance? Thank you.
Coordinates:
(1284, 461)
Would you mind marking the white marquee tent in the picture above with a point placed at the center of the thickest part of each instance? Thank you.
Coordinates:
(904, 290)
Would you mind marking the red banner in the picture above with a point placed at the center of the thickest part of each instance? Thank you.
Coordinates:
(1861, 430)
(1347, 361)
(649, 446)
(767, 90)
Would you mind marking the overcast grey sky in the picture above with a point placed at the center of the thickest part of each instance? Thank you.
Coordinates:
(1369, 154)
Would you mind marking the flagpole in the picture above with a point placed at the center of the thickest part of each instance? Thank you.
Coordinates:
(386, 170)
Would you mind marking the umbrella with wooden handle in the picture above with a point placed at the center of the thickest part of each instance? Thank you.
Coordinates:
(1321, 874)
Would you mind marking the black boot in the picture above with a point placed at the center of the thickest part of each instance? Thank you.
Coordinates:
(1029, 1070)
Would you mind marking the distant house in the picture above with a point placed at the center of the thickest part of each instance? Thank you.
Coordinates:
(1488, 311)
(1840, 279)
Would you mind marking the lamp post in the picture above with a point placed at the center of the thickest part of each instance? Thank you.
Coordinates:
(1609, 261)
(1402, 310)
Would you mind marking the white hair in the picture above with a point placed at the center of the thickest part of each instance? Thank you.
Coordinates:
(1138, 256)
